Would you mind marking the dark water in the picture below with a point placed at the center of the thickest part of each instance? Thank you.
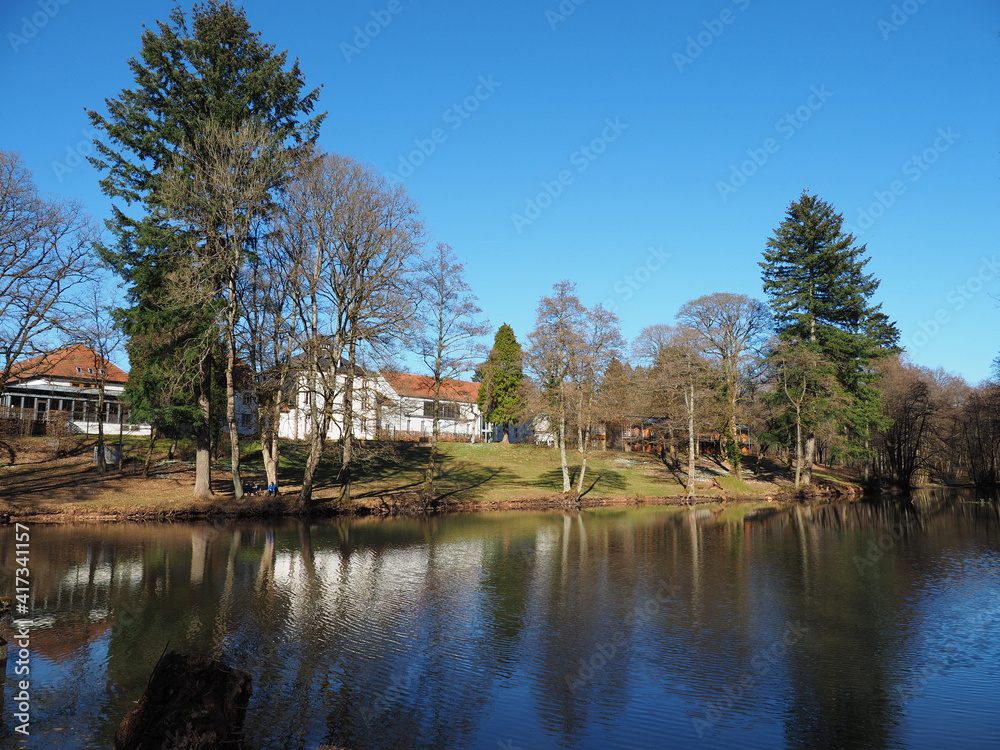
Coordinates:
(846, 626)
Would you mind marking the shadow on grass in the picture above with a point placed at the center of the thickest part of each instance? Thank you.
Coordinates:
(464, 481)
(38, 486)
(607, 479)
(372, 462)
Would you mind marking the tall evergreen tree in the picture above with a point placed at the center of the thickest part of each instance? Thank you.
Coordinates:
(500, 396)
(218, 73)
(820, 295)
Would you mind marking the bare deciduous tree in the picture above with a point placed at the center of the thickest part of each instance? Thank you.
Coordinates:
(45, 254)
(450, 344)
(351, 238)
(731, 330)
(677, 380)
(268, 340)
(95, 328)
(555, 345)
(601, 342)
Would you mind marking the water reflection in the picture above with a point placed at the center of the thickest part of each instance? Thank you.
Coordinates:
(862, 625)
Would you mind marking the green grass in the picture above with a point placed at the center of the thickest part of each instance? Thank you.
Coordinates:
(493, 472)
(385, 474)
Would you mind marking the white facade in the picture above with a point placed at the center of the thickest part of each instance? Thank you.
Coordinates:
(393, 406)
(296, 423)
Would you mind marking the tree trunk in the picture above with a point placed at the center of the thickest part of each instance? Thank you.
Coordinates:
(798, 449)
(344, 475)
(317, 443)
(562, 453)
(736, 452)
(868, 460)
(234, 432)
(102, 463)
(583, 466)
(319, 425)
(691, 446)
(808, 462)
(435, 427)
(153, 434)
(269, 441)
(203, 432)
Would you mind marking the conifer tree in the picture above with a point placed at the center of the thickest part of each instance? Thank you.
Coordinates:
(500, 396)
(213, 72)
(821, 296)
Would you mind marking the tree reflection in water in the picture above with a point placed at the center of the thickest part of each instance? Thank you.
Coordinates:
(614, 627)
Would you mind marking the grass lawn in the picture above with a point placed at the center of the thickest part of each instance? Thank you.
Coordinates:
(42, 482)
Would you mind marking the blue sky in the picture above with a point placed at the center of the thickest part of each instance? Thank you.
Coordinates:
(644, 150)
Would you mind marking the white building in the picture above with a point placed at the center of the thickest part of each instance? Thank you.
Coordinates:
(406, 409)
(295, 422)
(60, 390)
(390, 405)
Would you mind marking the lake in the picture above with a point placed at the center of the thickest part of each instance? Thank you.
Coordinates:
(866, 625)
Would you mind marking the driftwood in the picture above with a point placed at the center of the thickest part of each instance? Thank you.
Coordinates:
(190, 703)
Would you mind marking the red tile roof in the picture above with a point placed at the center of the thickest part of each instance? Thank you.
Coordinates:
(63, 364)
(422, 386)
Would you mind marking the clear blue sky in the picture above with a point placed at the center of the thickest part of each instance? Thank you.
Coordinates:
(635, 116)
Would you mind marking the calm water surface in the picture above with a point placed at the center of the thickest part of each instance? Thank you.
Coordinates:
(841, 626)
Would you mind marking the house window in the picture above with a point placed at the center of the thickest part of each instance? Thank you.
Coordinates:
(100, 372)
(79, 369)
(446, 409)
(245, 420)
(90, 370)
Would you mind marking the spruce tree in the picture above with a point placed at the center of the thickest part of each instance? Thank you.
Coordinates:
(500, 387)
(821, 296)
(211, 72)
